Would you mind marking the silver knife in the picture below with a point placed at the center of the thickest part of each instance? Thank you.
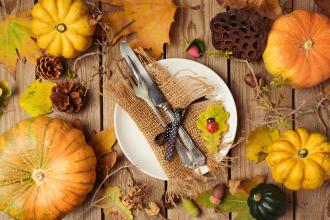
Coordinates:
(159, 100)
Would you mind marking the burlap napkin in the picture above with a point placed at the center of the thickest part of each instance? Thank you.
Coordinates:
(180, 92)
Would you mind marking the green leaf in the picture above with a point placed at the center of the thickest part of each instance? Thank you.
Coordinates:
(213, 140)
(190, 207)
(16, 41)
(203, 199)
(109, 200)
(236, 203)
(259, 140)
(5, 93)
(36, 98)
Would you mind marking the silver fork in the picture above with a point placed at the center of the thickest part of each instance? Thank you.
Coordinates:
(141, 90)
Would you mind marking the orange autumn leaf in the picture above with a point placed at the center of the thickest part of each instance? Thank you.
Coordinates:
(103, 143)
(149, 20)
(268, 8)
(16, 42)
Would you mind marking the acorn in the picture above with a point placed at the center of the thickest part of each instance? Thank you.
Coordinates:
(195, 48)
(218, 193)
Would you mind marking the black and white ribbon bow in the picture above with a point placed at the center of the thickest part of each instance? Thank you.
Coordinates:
(170, 134)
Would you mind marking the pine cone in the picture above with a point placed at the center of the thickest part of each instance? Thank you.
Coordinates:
(241, 32)
(68, 96)
(49, 67)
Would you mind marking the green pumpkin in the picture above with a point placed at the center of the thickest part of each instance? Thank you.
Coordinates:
(267, 202)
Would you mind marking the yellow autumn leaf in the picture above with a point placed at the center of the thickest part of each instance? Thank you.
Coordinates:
(259, 140)
(149, 20)
(220, 116)
(16, 41)
(268, 8)
(103, 142)
(36, 98)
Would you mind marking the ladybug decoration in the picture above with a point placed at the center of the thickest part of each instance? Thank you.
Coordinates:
(211, 125)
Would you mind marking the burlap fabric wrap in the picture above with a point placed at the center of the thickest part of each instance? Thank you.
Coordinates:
(179, 92)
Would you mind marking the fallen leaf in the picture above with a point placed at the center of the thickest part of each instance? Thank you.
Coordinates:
(105, 164)
(268, 8)
(324, 5)
(235, 200)
(190, 207)
(258, 141)
(36, 98)
(203, 199)
(5, 93)
(103, 142)
(149, 20)
(244, 186)
(220, 116)
(152, 209)
(16, 41)
(236, 203)
(109, 200)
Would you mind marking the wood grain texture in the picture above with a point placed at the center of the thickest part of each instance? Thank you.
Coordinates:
(155, 188)
(311, 204)
(191, 24)
(24, 76)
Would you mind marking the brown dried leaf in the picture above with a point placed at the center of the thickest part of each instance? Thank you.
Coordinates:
(268, 8)
(106, 163)
(244, 186)
(152, 209)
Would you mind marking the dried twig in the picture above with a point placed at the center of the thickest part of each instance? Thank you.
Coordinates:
(278, 115)
(105, 179)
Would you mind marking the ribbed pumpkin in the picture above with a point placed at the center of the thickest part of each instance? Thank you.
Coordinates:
(46, 169)
(62, 27)
(300, 159)
(298, 49)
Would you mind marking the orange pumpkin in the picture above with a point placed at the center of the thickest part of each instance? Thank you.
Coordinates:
(46, 169)
(298, 49)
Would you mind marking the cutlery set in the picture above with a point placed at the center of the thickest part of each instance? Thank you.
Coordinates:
(146, 89)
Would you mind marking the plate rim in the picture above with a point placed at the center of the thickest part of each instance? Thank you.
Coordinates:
(222, 152)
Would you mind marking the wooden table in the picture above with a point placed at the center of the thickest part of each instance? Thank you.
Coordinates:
(98, 114)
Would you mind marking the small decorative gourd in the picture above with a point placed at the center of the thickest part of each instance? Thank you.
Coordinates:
(62, 27)
(267, 202)
(46, 169)
(300, 159)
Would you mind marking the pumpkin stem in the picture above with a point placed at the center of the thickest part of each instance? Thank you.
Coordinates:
(308, 44)
(38, 175)
(302, 153)
(257, 197)
(61, 27)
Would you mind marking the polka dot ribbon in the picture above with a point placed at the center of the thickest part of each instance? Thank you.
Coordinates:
(170, 135)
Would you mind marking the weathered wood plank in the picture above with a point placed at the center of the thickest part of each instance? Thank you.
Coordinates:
(191, 23)
(90, 117)
(155, 188)
(311, 204)
(24, 76)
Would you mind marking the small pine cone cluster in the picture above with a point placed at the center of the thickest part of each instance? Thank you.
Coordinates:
(242, 32)
(49, 67)
(68, 96)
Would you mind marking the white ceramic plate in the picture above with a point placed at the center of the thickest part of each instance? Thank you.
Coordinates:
(133, 143)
